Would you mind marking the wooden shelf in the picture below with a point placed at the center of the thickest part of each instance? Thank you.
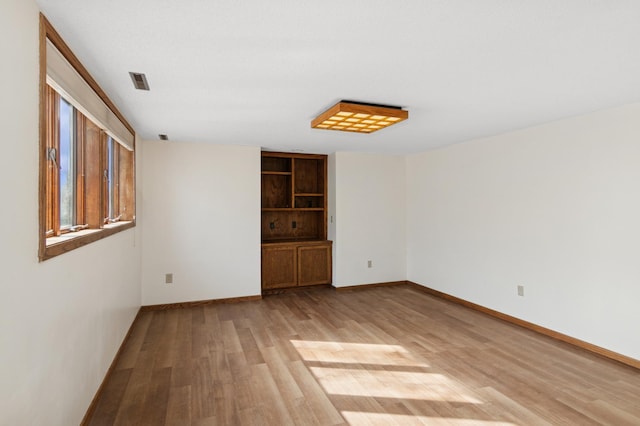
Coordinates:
(276, 173)
(294, 196)
(292, 209)
(306, 241)
(295, 250)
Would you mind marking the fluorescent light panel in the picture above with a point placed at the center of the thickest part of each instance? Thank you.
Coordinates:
(359, 117)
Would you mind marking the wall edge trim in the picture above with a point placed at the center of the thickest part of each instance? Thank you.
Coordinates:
(367, 286)
(94, 402)
(589, 347)
(165, 306)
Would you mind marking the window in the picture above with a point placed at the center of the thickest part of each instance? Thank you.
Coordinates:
(87, 189)
(67, 165)
(117, 172)
(64, 169)
(111, 213)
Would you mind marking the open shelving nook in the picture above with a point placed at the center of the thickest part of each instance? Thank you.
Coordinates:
(295, 250)
(294, 202)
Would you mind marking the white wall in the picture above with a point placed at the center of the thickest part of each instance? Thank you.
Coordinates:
(203, 222)
(554, 208)
(62, 320)
(369, 218)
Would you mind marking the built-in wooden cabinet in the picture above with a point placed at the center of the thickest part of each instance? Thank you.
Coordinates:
(279, 266)
(314, 263)
(294, 264)
(295, 250)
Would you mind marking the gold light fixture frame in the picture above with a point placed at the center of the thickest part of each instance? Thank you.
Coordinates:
(358, 117)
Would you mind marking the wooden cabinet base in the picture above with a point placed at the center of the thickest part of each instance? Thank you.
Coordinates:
(314, 264)
(296, 264)
(279, 266)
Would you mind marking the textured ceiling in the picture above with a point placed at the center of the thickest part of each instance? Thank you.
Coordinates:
(256, 72)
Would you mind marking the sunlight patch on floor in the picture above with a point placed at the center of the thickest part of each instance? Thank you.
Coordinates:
(358, 418)
(391, 384)
(356, 353)
(378, 371)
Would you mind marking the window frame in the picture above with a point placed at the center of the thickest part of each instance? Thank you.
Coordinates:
(49, 176)
(112, 151)
(53, 100)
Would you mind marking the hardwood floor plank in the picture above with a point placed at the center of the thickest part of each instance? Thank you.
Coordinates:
(225, 403)
(301, 412)
(384, 355)
(130, 410)
(249, 346)
(274, 409)
(111, 398)
(219, 362)
(202, 400)
(179, 406)
(288, 388)
(278, 321)
(523, 414)
(230, 338)
(131, 350)
(262, 338)
(601, 412)
(319, 402)
(209, 421)
(167, 348)
(155, 405)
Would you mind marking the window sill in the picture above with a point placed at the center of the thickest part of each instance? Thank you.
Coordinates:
(55, 246)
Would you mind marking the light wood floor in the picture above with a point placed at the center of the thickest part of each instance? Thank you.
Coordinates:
(386, 355)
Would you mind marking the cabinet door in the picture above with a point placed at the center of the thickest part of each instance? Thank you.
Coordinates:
(314, 265)
(279, 267)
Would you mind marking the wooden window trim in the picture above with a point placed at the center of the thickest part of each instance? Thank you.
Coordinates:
(111, 179)
(81, 150)
(50, 170)
(82, 238)
(45, 212)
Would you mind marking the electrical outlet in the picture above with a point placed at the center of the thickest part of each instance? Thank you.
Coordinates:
(369, 264)
(168, 278)
(521, 290)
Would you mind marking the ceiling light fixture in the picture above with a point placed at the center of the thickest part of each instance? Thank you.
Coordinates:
(359, 117)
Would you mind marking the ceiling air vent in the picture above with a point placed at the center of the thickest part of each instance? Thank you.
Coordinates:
(139, 80)
(163, 137)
